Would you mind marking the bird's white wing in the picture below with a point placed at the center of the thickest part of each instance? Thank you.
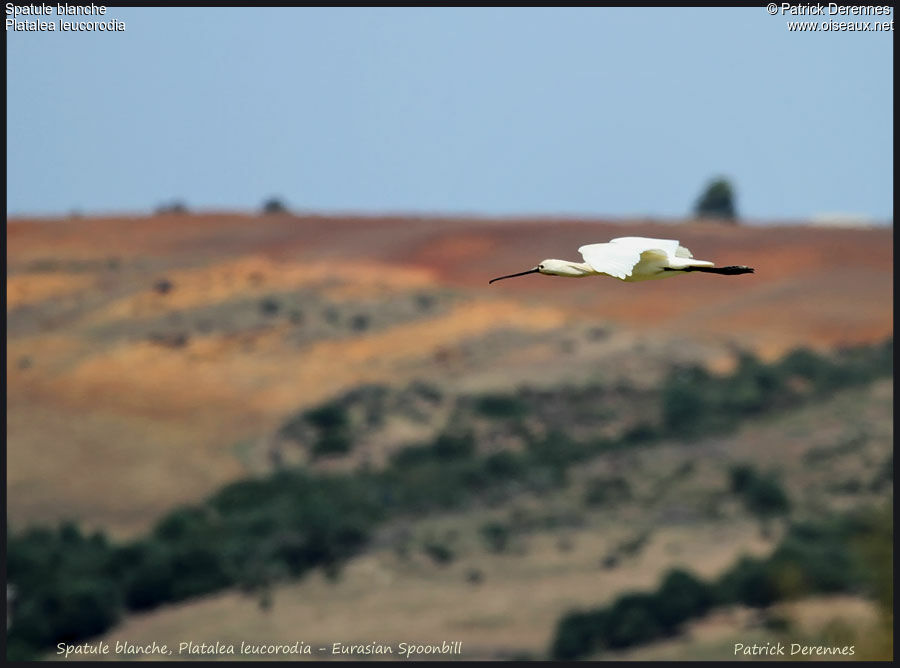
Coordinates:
(613, 259)
(618, 257)
(670, 246)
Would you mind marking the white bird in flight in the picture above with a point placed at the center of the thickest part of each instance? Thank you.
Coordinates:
(631, 259)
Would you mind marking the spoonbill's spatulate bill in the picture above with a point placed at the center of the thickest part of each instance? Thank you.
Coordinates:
(631, 259)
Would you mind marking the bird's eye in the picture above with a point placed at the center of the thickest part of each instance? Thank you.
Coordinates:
(540, 266)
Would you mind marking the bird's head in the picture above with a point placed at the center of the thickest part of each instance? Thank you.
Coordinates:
(548, 267)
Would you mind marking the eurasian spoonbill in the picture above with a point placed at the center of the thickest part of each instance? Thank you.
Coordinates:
(631, 259)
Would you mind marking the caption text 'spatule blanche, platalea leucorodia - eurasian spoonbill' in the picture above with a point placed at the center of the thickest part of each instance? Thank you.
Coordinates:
(631, 259)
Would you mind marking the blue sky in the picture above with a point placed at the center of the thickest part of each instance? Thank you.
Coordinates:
(584, 112)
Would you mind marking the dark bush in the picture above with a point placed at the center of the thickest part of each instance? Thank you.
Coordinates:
(201, 569)
(329, 416)
(425, 391)
(578, 634)
(805, 363)
(497, 536)
(148, 576)
(741, 476)
(717, 201)
(274, 205)
(417, 455)
(425, 302)
(454, 446)
(70, 610)
(439, 551)
(183, 524)
(607, 490)
(503, 465)
(501, 406)
(750, 582)
(173, 207)
(761, 493)
(269, 306)
(610, 561)
(63, 589)
(631, 621)
(752, 388)
(334, 442)
(766, 497)
(332, 424)
(686, 406)
(642, 432)
(822, 556)
(360, 322)
(681, 597)
(557, 450)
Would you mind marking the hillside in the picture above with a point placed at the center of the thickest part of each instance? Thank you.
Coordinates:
(569, 550)
(153, 359)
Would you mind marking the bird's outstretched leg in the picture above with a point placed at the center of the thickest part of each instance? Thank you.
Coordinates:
(726, 271)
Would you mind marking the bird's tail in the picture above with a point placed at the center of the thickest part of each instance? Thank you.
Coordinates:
(726, 271)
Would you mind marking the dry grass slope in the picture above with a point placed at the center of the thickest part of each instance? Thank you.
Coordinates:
(142, 357)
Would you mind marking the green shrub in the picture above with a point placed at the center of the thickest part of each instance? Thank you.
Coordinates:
(274, 205)
(183, 524)
(146, 572)
(681, 596)
(761, 493)
(63, 590)
(578, 634)
(174, 207)
(607, 490)
(741, 477)
(851, 552)
(717, 201)
(439, 551)
(690, 402)
(332, 424)
(337, 442)
(557, 450)
(764, 495)
(501, 406)
(360, 322)
(822, 555)
(642, 432)
(805, 363)
(504, 465)
(454, 446)
(750, 582)
(631, 621)
(752, 388)
(67, 610)
(497, 536)
(269, 306)
(328, 416)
